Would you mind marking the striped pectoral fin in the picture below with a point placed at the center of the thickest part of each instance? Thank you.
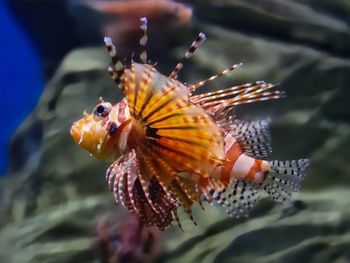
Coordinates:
(160, 214)
(148, 92)
(140, 194)
(121, 178)
(186, 137)
(185, 196)
(284, 179)
(143, 93)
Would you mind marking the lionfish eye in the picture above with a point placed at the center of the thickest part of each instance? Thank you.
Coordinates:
(102, 110)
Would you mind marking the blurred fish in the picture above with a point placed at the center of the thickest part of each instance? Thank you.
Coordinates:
(171, 147)
(156, 11)
(124, 15)
(127, 241)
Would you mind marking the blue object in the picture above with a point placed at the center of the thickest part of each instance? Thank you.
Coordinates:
(21, 79)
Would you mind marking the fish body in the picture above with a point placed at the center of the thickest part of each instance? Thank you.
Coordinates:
(171, 148)
(162, 141)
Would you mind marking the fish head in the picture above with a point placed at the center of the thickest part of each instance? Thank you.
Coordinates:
(98, 132)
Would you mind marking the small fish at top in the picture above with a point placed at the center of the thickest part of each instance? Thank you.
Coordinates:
(172, 147)
(124, 16)
(155, 10)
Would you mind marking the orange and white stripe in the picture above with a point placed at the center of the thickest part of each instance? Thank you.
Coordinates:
(241, 166)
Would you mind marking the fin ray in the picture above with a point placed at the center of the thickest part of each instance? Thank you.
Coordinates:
(253, 137)
(284, 179)
(165, 104)
(219, 103)
(239, 198)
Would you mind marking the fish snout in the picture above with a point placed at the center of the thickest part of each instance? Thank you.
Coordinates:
(75, 133)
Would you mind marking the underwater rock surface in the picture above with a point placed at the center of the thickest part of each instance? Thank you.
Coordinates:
(55, 193)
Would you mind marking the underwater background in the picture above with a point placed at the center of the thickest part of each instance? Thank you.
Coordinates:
(54, 201)
(21, 78)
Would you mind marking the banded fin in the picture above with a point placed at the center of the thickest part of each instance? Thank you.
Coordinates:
(177, 219)
(189, 53)
(169, 127)
(117, 70)
(284, 178)
(180, 188)
(169, 135)
(219, 103)
(152, 168)
(192, 88)
(253, 137)
(143, 40)
(184, 198)
(153, 204)
(239, 198)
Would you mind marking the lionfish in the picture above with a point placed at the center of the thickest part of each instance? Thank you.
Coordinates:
(172, 148)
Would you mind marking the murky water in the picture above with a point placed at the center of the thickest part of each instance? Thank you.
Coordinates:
(55, 205)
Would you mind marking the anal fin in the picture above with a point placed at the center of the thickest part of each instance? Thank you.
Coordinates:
(239, 198)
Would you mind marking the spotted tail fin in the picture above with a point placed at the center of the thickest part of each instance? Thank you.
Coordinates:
(242, 196)
(284, 179)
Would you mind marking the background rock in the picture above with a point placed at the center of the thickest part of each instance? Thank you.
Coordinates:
(55, 193)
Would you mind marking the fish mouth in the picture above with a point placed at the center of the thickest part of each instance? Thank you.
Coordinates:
(75, 132)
